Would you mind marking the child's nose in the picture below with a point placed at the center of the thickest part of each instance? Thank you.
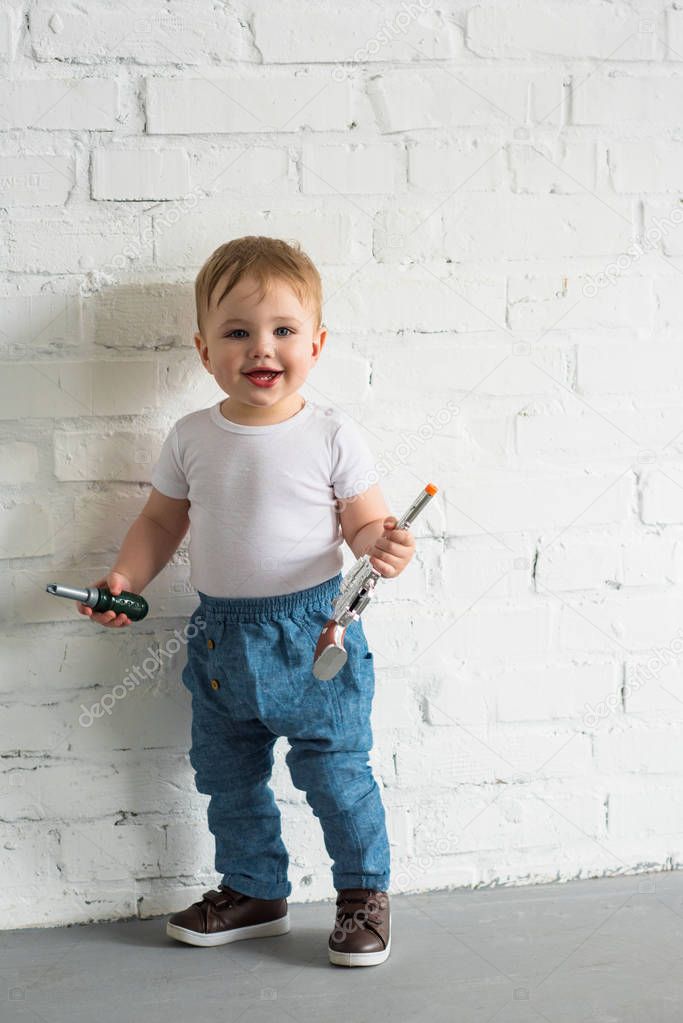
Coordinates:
(264, 344)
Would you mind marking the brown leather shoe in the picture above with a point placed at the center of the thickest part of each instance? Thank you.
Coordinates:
(362, 931)
(226, 915)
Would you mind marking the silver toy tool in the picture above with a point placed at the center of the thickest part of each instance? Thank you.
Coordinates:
(357, 589)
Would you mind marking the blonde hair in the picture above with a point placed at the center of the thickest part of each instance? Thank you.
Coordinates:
(265, 258)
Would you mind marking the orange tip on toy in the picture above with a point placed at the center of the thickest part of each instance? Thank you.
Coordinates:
(431, 489)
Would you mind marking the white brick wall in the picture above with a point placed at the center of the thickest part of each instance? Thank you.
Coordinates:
(492, 193)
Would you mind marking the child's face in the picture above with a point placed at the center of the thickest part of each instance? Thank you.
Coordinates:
(242, 333)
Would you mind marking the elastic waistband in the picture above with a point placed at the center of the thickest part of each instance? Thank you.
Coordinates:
(254, 609)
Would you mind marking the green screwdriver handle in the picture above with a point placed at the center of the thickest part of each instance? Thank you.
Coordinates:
(131, 604)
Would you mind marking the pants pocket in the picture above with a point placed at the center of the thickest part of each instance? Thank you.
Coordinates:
(352, 688)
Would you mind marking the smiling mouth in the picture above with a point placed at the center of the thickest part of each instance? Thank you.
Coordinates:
(264, 375)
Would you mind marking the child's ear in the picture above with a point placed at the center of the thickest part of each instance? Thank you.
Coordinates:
(199, 342)
(203, 350)
(321, 341)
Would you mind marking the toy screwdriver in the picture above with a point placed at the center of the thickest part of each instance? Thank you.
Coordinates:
(100, 598)
(357, 588)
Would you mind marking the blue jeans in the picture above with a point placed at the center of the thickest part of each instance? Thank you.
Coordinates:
(249, 670)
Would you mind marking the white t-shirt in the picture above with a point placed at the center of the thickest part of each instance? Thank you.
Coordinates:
(263, 512)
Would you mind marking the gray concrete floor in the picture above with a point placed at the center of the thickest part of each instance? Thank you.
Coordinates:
(608, 950)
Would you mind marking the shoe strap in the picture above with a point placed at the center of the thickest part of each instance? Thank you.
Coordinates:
(345, 901)
(223, 898)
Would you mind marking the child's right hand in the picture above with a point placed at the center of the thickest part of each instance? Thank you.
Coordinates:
(116, 583)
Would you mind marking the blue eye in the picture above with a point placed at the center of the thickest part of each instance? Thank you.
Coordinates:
(240, 330)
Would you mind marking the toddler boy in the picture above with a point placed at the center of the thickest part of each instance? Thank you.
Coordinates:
(272, 485)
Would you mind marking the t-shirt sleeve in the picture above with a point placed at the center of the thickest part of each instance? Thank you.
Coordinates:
(167, 475)
(353, 464)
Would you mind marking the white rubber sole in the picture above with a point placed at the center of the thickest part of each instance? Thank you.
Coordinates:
(359, 958)
(265, 930)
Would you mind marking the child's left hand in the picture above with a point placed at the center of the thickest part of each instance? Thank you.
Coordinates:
(394, 549)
